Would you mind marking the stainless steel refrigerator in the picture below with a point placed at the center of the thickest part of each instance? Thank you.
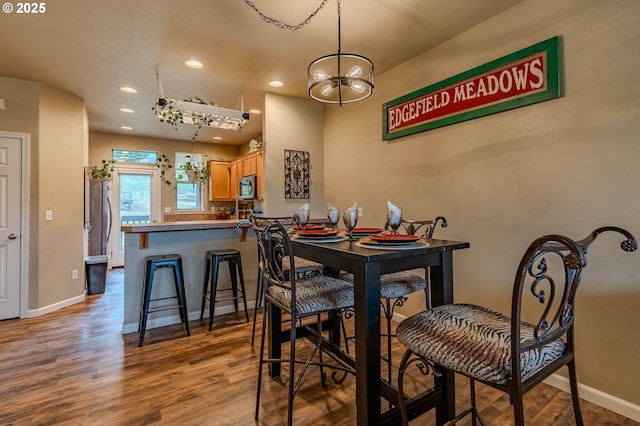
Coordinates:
(99, 217)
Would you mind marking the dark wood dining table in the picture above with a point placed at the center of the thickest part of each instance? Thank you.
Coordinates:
(367, 265)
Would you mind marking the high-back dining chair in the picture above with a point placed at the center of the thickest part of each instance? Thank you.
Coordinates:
(302, 266)
(395, 287)
(299, 297)
(485, 345)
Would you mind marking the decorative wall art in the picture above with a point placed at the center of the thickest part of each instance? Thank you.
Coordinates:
(522, 78)
(296, 174)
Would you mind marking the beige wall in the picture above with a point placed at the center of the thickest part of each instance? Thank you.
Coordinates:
(101, 144)
(295, 124)
(56, 122)
(565, 166)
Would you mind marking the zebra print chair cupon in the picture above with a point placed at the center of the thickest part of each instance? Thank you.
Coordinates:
(483, 344)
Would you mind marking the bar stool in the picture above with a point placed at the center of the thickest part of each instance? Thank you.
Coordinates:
(210, 282)
(154, 263)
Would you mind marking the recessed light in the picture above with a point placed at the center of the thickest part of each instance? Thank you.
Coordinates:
(128, 89)
(217, 138)
(255, 111)
(192, 63)
(126, 127)
(276, 83)
(126, 110)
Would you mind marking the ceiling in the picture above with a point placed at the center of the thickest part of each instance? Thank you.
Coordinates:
(93, 47)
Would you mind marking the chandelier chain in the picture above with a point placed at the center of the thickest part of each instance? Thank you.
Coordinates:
(281, 24)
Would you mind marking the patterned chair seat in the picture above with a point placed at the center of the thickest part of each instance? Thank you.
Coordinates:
(315, 294)
(474, 341)
(396, 284)
(304, 266)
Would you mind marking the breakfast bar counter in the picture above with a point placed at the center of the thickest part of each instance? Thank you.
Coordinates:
(191, 240)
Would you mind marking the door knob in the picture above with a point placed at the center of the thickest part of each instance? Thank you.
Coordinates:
(12, 236)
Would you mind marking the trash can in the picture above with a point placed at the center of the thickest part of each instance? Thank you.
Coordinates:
(96, 273)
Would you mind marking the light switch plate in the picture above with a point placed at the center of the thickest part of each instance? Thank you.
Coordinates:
(48, 215)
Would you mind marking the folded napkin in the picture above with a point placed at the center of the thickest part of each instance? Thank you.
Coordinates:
(303, 214)
(333, 213)
(350, 216)
(394, 214)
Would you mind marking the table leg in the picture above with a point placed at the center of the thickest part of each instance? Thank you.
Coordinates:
(367, 327)
(442, 293)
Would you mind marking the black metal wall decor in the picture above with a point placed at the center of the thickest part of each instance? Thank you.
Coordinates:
(296, 174)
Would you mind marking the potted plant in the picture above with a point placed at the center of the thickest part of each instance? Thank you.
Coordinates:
(103, 172)
(193, 170)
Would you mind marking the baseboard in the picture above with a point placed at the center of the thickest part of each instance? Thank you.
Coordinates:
(175, 319)
(31, 313)
(610, 402)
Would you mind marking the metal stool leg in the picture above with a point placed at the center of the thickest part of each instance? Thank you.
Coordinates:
(214, 289)
(206, 283)
(180, 292)
(244, 294)
(234, 281)
(146, 295)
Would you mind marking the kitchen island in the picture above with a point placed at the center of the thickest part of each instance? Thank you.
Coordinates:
(191, 240)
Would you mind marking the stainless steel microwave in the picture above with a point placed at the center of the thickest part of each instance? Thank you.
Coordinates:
(247, 188)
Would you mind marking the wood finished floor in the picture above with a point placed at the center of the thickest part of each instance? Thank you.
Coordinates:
(74, 367)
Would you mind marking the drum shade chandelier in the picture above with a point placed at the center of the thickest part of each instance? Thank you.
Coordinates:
(340, 78)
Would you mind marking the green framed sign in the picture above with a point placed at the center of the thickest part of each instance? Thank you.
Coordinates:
(525, 77)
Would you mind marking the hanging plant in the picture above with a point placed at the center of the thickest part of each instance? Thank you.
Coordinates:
(167, 112)
(193, 171)
(163, 163)
(103, 172)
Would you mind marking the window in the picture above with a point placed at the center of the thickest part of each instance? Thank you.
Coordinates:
(133, 156)
(188, 195)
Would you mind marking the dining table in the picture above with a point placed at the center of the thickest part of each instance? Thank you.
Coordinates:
(367, 264)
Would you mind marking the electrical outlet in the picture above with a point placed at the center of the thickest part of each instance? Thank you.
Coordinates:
(48, 215)
(359, 211)
(74, 274)
(167, 209)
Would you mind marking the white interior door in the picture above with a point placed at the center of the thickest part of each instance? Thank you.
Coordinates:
(135, 198)
(10, 225)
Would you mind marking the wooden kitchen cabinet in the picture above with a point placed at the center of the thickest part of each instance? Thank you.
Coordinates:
(260, 173)
(233, 169)
(219, 181)
(225, 175)
(249, 164)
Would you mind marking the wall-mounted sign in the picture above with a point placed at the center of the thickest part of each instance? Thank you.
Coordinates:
(522, 78)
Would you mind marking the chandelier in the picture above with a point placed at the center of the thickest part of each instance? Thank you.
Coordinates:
(340, 78)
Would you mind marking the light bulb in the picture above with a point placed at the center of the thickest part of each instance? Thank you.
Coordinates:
(319, 75)
(357, 86)
(327, 89)
(354, 72)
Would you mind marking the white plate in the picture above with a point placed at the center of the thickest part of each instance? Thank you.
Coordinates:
(419, 244)
(319, 240)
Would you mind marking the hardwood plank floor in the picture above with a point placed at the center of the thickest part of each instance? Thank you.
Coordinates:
(74, 367)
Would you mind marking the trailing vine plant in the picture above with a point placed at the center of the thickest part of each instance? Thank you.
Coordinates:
(103, 172)
(164, 163)
(167, 112)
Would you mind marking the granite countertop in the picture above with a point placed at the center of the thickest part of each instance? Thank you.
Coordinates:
(191, 225)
